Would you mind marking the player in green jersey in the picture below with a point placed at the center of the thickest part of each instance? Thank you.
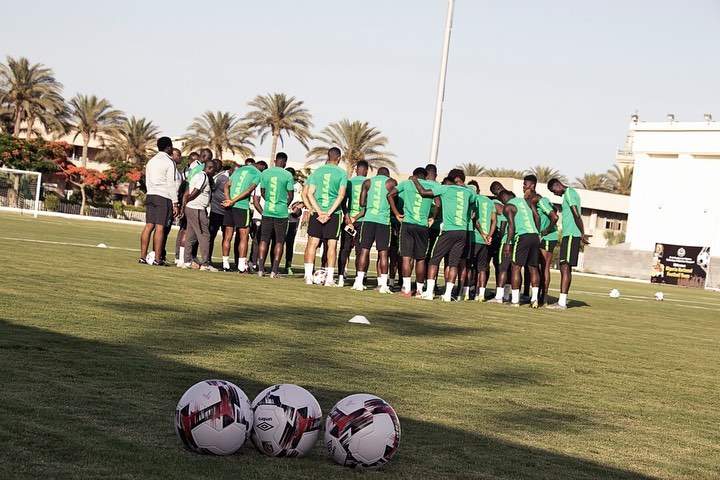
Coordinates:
(414, 231)
(276, 187)
(324, 194)
(375, 228)
(548, 218)
(523, 243)
(573, 236)
(485, 226)
(455, 200)
(352, 219)
(238, 189)
(435, 214)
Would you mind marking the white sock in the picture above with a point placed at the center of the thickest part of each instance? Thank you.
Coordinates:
(498, 293)
(181, 254)
(448, 289)
(242, 264)
(534, 294)
(420, 287)
(329, 271)
(466, 292)
(563, 300)
(407, 284)
(383, 280)
(508, 290)
(308, 270)
(359, 277)
(341, 279)
(481, 292)
(226, 262)
(516, 296)
(430, 290)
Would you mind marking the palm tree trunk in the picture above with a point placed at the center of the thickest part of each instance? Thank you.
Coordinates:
(18, 120)
(86, 141)
(30, 122)
(84, 199)
(276, 137)
(219, 154)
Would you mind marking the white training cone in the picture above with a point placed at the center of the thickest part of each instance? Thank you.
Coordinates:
(359, 319)
(101, 245)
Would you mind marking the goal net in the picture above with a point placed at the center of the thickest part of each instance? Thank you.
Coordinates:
(20, 190)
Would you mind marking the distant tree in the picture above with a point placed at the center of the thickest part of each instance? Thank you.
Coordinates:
(471, 169)
(93, 118)
(220, 132)
(82, 178)
(621, 179)
(503, 172)
(544, 174)
(357, 141)
(594, 181)
(277, 115)
(133, 142)
(29, 92)
(35, 155)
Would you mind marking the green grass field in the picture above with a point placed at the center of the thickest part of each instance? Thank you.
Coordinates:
(96, 350)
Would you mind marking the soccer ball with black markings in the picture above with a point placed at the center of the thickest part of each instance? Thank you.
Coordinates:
(287, 421)
(213, 416)
(362, 431)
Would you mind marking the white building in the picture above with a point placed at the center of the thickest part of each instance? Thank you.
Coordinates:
(676, 170)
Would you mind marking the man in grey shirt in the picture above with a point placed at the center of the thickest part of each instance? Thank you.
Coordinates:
(217, 211)
(198, 224)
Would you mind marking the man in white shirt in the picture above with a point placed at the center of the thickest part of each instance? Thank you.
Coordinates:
(161, 202)
(198, 224)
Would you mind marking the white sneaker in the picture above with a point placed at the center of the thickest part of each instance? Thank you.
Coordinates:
(446, 299)
(208, 268)
(515, 305)
(495, 300)
(357, 287)
(274, 275)
(384, 289)
(427, 296)
(340, 284)
(308, 281)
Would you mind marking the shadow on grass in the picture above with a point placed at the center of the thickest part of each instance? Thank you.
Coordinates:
(79, 408)
(544, 420)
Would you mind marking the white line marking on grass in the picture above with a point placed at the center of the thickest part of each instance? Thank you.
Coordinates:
(635, 298)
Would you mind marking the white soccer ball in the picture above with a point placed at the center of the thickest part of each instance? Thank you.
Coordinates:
(213, 416)
(659, 296)
(319, 277)
(150, 257)
(362, 431)
(287, 421)
(614, 293)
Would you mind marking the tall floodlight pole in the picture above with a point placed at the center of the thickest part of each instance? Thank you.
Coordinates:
(441, 85)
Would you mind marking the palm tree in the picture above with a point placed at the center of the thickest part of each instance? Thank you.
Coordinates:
(621, 179)
(545, 174)
(503, 172)
(27, 90)
(219, 131)
(133, 141)
(93, 117)
(357, 141)
(594, 181)
(51, 113)
(277, 115)
(471, 169)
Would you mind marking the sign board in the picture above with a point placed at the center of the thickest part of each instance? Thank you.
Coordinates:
(682, 265)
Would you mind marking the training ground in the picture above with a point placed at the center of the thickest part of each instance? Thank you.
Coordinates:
(96, 350)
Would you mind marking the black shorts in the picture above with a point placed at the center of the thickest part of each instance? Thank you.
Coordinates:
(158, 210)
(216, 221)
(325, 231)
(570, 250)
(548, 245)
(273, 228)
(481, 256)
(413, 241)
(504, 259)
(526, 250)
(376, 233)
(433, 235)
(395, 236)
(348, 242)
(469, 250)
(237, 217)
(450, 244)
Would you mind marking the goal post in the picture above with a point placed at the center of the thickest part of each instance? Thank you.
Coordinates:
(20, 190)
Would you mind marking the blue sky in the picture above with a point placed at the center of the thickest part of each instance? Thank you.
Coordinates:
(529, 82)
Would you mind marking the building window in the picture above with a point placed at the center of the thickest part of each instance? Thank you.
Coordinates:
(612, 224)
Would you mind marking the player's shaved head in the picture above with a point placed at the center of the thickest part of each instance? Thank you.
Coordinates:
(361, 167)
(281, 159)
(556, 186)
(420, 173)
(334, 155)
(384, 171)
(431, 170)
(249, 161)
(261, 165)
(164, 144)
(496, 187)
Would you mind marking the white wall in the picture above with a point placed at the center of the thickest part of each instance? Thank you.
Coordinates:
(675, 201)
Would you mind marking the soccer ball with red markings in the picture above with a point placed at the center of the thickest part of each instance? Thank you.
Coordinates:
(213, 416)
(287, 421)
(362, 431)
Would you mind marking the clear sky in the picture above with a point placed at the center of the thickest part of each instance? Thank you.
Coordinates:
(530, 82)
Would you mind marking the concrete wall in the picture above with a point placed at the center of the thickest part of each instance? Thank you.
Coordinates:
(622, 262)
